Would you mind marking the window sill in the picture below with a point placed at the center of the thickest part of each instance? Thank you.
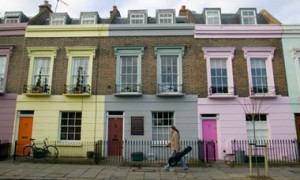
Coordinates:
(77, 95)
(129, 94)
(38, 94)
(69, 144)
(222, 96)
(264, 96)
(167, 94)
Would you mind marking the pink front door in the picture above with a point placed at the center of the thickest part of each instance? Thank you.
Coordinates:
(209, 131)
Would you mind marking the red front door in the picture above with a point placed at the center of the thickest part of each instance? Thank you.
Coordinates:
(24, 135)
(115, 136)
(209, 131)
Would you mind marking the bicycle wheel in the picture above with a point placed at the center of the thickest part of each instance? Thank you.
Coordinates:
(28, 152)
(51, 153)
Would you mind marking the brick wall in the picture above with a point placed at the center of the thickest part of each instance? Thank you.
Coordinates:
(194, 65)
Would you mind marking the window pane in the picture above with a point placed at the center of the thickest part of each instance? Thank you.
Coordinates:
(69, 130)
(219, 78)
(162, 121)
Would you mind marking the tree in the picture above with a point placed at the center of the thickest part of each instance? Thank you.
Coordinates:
(253, 107)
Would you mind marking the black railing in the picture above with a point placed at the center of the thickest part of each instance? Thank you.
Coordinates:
(263, 90)
(170, 88)
(4, 150)
(128, 89)
(33, 89)
(221, 90)
(81, 89)
(278, 151)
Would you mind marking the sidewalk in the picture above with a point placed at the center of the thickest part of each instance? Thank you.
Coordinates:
(29, 170)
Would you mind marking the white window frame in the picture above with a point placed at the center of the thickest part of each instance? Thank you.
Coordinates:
(68, 126)
(3, 71)
(9, 20)
(137, 18)
(213, 16)
(137, 52)
(74, 52)
(296, 55)
(163, 130)
(265, 53)
(261, 128)
(88, 18)
(58, 19)
(40, 68)
(252, 17)
(178, 51)
(227, 53)
(165, 18)
(41, 52)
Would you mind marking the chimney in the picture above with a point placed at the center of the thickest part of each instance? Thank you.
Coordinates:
(183, 11)
(114, 14)
(44, 6)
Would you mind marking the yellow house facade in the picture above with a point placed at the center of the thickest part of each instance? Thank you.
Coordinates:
(59, 102)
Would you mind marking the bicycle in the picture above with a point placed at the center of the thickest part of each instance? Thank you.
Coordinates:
(47, 152)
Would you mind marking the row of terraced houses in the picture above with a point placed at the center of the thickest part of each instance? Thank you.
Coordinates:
(91, 78)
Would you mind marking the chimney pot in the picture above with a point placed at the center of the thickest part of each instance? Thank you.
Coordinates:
(183, 7)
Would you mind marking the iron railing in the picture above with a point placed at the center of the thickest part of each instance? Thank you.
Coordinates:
(222, 90)
(81, 89)
(265, 90)
(278, 151)
(4, 150)
(33, 89)
(141, 152)
(128, 89)
(170, 88)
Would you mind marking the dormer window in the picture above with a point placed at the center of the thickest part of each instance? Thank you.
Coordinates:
(89, 18)
(212, 17)
(248, 17)
(137, 16)
(12, 17)
(165, 16)
(58, 19)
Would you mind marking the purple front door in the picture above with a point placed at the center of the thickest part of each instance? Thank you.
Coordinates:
(209, 131)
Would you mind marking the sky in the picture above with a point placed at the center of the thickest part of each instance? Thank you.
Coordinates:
(286, 11)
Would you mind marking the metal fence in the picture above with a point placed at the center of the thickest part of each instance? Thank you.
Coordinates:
(278, 151)
(4, 150)
(138, 152)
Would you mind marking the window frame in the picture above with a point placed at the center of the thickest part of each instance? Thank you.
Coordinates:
(170, 51)
(265, 53)
(135, 51)
(41, 52)
(60, 127)
(296, 56)
(141, 19)
(88, 17)
(165, 132)
(211, 53)
(12, 16)
(218, 16)
(78, 52)
(160, 13)
(62, 18)
(248, 16)
(260, 126)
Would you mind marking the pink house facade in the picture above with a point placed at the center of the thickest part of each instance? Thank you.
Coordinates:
(234, 95)
(10, 36)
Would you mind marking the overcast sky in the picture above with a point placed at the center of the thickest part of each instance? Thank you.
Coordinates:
(286, 11)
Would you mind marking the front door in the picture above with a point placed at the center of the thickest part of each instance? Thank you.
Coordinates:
(209, 130)
(25, 132)
(115, 136)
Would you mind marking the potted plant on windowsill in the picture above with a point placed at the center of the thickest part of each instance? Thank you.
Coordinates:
(79, 84)
(37, 88)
